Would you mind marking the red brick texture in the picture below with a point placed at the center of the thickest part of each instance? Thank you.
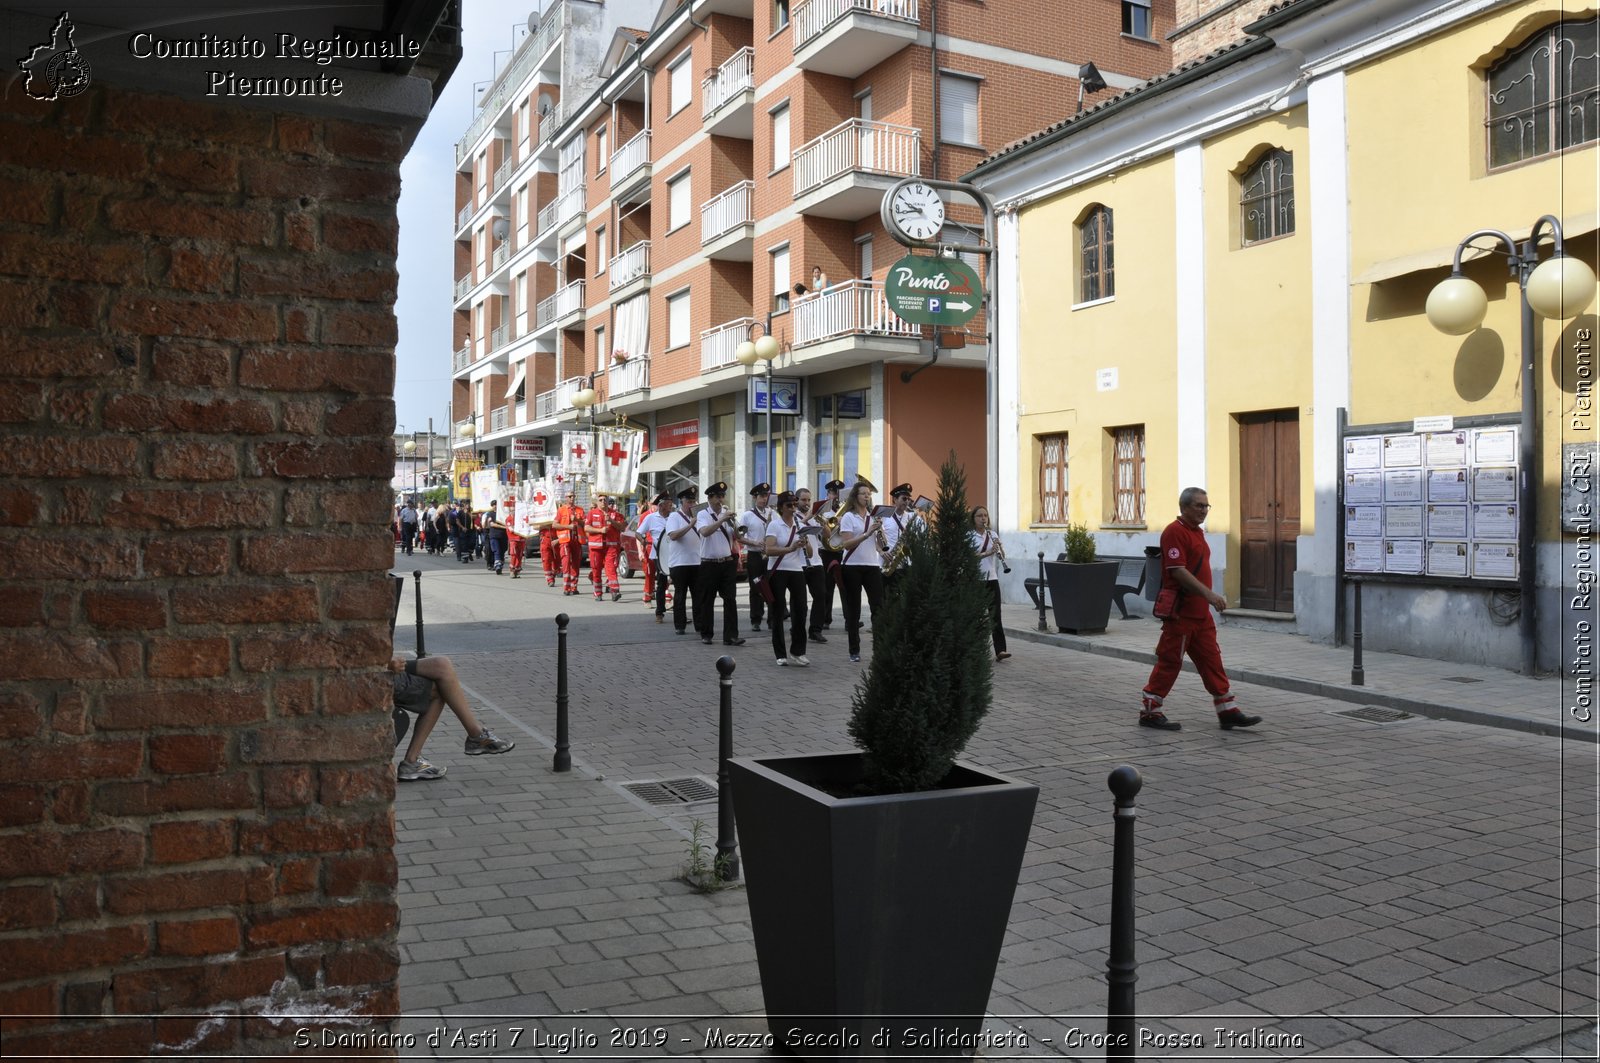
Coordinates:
(195, 803)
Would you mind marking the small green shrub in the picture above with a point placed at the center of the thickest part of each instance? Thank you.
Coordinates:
(1080, 544)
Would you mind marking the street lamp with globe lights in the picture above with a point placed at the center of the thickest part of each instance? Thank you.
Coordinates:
(1557, 288)
(764, 350)
(411, 452)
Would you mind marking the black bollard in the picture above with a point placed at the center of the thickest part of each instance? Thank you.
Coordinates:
(1121, 967)
(727, 835)
(563, 761)
(1358, 674)
(421, 651)
(1043, 587)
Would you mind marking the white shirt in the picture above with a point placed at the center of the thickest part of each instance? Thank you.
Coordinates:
(654, 525)
(676, 553)
(816, 541)
(718, 544)
(754, 522)
(895, 526)
(780, 533)
(988, 567)
(851, 525)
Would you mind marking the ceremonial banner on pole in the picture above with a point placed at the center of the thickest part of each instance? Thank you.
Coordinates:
(579, 450)
(555, 471)
(618, 461)
(485, 488)
(536, 503)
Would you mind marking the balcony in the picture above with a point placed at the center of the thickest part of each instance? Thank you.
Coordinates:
(462, 358)
(500, 419)
(717, 345)
(630, 271)
(497, 338)
(630, 169)
(727, 97)
(564, 309)
(501, 253)
(463, 216)
(463, 286)
(727, 224)
(503, 173)
(560, 213)
(629, 377)
(854, 307)
(522, 64)
(845, 172)
(558, 400)
(847, 38)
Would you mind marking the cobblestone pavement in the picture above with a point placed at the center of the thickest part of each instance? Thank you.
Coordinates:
(1319, 886)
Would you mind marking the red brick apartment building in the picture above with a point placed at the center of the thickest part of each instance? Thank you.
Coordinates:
(631, 239)
(197, 308)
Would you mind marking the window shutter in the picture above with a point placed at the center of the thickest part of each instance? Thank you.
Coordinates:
(780, 138)
(678, 212)
(958, 110)
(678, 320)
(682, 89)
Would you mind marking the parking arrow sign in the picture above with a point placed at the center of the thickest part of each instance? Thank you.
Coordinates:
(925, 290)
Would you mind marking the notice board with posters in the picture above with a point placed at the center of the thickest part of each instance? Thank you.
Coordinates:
(1434, 501)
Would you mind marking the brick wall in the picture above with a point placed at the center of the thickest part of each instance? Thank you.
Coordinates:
(196, 798)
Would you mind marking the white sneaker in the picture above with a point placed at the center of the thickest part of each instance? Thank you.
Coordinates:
(420, 769)
(782, 661)
(800, 659)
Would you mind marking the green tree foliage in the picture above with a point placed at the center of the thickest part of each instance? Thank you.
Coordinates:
(927, 686)
(1080, 544)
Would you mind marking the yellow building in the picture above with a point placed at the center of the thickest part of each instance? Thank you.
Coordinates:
(1220, 279)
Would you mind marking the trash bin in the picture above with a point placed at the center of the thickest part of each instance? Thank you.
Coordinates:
(1152, 572)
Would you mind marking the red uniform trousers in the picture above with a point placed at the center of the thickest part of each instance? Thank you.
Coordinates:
(518, 544)
(613, 555)
(597, 562)
(571, 561)
(1198, 638)
(549, 558)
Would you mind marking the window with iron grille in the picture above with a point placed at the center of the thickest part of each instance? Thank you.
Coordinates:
(1543, 97)
(1097, 278)
(1052, 479)
(1266, 198)
(1127, 474)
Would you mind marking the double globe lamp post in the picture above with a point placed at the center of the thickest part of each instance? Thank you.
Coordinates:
(1557, 288)
(763, 350)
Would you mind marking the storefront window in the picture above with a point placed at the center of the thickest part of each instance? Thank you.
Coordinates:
(784, 444)
(843, 438)
(722, 449)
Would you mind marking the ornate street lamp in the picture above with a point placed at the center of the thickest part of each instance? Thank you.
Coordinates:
(1559, 287)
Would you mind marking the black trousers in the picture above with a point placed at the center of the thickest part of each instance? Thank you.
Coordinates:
(856, 579)
(408, 536)
(661, 586)
(820, 583)
(718, 579)
(788, 602)
(755, 567)
(998, 632)
(685, 581)
(825, 607)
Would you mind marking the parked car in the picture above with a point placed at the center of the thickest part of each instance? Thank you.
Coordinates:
(631, 563)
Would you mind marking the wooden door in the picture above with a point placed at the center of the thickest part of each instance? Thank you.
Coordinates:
(1269, 508)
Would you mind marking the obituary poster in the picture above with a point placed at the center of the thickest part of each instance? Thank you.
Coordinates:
(1363, 555)
(1432, 498)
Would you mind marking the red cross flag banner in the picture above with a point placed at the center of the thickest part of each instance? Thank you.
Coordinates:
(578, 448)
(617, 463)
(536, 504)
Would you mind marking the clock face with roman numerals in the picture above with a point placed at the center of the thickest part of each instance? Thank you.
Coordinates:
(917, 211)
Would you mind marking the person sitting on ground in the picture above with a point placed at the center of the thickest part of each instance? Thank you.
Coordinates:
(425, 687)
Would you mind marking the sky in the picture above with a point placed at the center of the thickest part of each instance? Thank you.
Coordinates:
(490, 30)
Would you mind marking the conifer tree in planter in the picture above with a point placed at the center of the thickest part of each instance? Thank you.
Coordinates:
(880, 882)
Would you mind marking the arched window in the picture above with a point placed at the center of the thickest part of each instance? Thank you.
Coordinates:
(1097, 277)
(1266, 198)
(1543, 96)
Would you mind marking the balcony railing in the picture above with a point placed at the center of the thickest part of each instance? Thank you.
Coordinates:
(501, 253)
(563, 302)
(503, 173)
(728, 211)
(628, 158)
(630, 265)
(463, 286)
(497, 338)
(463, 214)
(630, 376)
(561, 210)
(814, 16)
(717, 345)
(734, 76)
(463, 357)
(544, 405)
(499, 418)
(499, 94)
(857, 144)
(855, 306)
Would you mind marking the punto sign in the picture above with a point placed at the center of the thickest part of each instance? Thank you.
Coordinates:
(928, 290)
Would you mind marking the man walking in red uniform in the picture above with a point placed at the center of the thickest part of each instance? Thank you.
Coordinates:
(518, 545)
(603, 526)
(569, 542)
(1190, 629)
(615, 522)
(547, 554)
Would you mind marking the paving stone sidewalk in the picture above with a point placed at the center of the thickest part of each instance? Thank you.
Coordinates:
(1417, 889)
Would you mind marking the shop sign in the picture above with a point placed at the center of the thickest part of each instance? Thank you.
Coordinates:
(678, 434)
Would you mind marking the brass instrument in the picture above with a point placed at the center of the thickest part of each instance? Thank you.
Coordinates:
(896, 558)
(830, 527)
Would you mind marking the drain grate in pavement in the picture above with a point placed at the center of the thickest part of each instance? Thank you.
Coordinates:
(1374, 714)
(1461, 679)
(672, 791)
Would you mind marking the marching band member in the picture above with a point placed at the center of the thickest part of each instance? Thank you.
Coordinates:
(680, 552)
(753, 535)
(817, 576)
(652, 526)
(829, 506)
(862, 567)
(494, 537)
(902, 518)
(715, 527)
(990, 551)
(786, 550)
(569, 538)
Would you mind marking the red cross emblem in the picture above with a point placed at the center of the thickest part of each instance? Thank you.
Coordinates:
(578, 451)
(540, 498)
(615, 453)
